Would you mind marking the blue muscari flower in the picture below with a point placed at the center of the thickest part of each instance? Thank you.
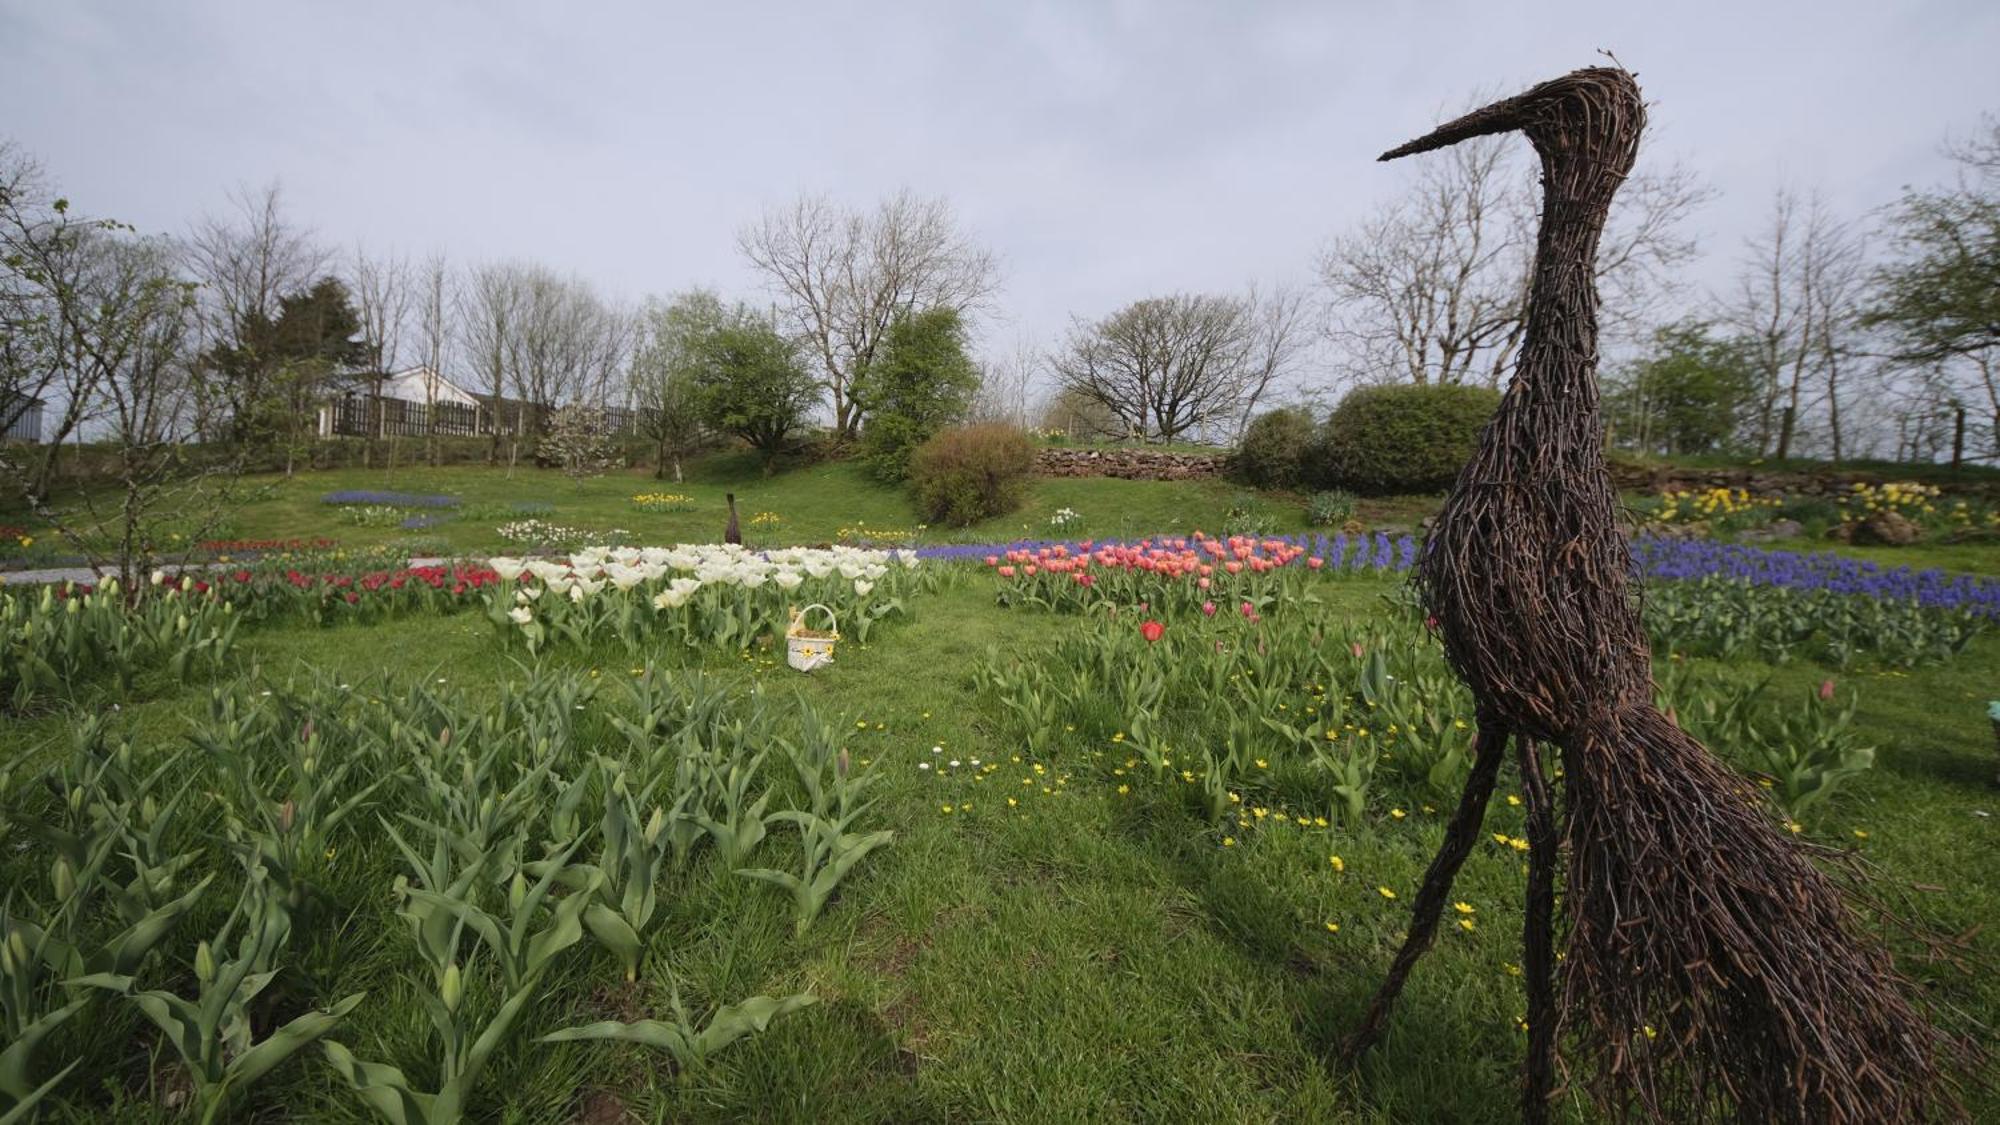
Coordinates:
(389, 499)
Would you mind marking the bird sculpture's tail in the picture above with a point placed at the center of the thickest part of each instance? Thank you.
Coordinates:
(1710, 964)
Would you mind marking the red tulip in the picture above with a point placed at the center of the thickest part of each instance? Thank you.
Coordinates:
(1152, 631)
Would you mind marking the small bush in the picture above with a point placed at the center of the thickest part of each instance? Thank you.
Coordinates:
(1330, 509)
(1274, 449)
(1246, 515)
(1404, 438)
(965, 475)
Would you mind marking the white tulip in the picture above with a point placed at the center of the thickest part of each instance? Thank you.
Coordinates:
(521, 615)
(787, 579)
(862, 587)
(508, 569)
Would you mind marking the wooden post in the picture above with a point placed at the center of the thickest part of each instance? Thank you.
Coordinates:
(1957, 436)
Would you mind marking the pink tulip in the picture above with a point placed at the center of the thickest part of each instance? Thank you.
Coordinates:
(1208, 608)
(1315, 562)
(1029, 570)
(1826, 690)
(993, 560)
(1249, 610)
(1203, 582)
(1356, 648)
(1006, 572)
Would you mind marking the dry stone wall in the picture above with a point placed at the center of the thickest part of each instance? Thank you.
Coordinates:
(1129, 464)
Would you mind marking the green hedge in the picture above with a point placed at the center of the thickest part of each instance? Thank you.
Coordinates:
(1403, 438)
(1275, 449)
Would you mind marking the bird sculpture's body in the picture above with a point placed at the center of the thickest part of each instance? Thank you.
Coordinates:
(732, 533)
(1708, 966)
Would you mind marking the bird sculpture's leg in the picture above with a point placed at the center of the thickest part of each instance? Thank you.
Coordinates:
(1488, 747)
(1538, 935)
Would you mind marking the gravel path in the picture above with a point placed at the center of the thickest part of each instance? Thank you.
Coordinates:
(86, 574)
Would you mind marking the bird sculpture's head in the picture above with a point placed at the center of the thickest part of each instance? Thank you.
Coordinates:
(1567, 114)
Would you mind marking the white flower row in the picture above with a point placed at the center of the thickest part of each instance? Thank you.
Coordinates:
(689, 568)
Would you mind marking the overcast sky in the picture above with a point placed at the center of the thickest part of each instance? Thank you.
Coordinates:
(1105, 151)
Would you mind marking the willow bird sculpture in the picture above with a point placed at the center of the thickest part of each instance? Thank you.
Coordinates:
(732, 533)
(1709, 967)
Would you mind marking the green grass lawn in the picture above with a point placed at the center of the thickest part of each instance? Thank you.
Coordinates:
(1086, 954)
(812, 504)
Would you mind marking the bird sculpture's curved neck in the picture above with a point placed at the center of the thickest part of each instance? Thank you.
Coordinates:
(1587, 136)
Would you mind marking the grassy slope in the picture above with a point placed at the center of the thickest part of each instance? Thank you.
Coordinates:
(812, 503)
(1090, 955)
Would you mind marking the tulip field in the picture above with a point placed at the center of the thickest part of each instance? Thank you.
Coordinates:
(1119, 828)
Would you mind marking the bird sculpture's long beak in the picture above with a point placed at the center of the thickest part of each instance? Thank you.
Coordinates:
(1500, 117)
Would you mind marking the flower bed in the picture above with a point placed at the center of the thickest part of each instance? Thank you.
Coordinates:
(247, 546)
(1174, 574)
(389, 499)
(1679, 559)
(713, 595)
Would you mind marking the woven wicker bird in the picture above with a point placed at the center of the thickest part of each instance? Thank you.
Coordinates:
(733, 533)
(1709, 968)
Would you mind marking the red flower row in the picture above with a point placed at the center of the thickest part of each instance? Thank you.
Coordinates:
(228, 545)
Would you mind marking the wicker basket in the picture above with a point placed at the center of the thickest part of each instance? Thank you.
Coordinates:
(807, 649)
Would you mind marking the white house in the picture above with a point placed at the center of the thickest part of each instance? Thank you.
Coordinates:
(421, 384)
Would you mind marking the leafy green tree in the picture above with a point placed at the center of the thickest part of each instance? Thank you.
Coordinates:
(751, 383)
(921, 382)
(1690, 393)
(1940, 296)
(666, 365)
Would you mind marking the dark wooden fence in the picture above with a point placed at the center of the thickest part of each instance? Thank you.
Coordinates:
(360, 416)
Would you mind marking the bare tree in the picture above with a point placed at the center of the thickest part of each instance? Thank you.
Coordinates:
(434, 302)
(844, 276)
(247, 263)
(489, 305)
(570, 343)
(1797, 306)
(1433, 287)
(1280, 335)
(381, 289)
(1168, 366)
(1005, 383)
(45, 259)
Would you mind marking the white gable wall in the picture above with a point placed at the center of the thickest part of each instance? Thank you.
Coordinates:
(421, 384)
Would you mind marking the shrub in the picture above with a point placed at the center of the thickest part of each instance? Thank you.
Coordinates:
(965, 475)
(1275, 447)
(1405, 438)
(1330, 509)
